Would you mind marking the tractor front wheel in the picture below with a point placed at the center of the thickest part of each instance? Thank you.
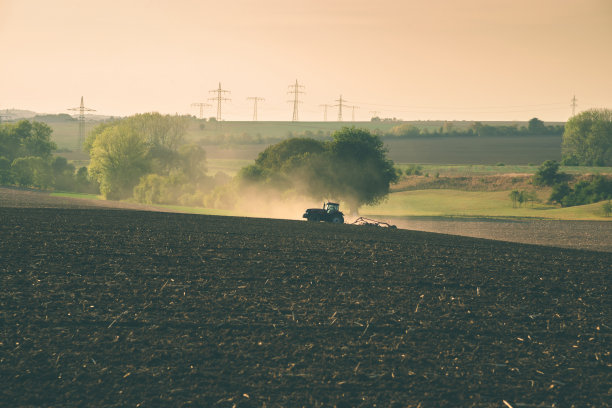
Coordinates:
(338, 220)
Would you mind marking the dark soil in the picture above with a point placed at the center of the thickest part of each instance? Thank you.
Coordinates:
(127, 308)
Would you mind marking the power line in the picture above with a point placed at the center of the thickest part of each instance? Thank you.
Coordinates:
(295, 90)
(81, 109)
(255, 99)
(461, 108)
(325, 111)
(201, 105)
(573, 105)
(340, 104)
(219, 98)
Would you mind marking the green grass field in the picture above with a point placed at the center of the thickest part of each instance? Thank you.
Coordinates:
(453, 203)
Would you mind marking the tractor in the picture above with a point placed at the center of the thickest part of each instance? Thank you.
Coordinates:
(329, 213)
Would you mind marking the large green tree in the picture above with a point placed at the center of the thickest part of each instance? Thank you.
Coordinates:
(352, 167)
(118, 160)
(587, 139)
(145, 157)
(361, 172)
(25, 139)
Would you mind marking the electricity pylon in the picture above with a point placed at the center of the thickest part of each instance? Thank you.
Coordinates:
(325, 111)
(340, 104)
(295, 90)
(255, 99)
(573, 105)
(374, 113)
(353, 112)
(81, 109)
(219, 98)
(201, 105)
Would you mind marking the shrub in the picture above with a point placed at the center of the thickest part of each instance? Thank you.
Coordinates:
(414, 170)
(597, 189)
(548, 174)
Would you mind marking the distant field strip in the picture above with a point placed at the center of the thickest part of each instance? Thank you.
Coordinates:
(453, 203)
(476, 150)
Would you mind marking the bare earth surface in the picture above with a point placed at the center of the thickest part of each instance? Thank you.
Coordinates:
(122, 308)
(592, 235)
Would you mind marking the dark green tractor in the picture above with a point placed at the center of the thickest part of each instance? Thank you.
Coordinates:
(329, 213)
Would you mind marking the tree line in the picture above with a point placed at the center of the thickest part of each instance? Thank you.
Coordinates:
(26, 160)
(145, 157)
(535, 127)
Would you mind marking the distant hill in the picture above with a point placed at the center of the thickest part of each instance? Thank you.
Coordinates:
(16, 114)
(11, 115)
(50, 118)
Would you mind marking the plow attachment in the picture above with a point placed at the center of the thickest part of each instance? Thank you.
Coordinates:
(372, 223)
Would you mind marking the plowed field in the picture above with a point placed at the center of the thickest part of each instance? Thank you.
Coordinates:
(124, 308)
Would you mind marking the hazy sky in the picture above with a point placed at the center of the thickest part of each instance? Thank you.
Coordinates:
(429, 59)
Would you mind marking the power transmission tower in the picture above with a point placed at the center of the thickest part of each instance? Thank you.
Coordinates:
(325, 111)
(353, 112)
(295, 90)
(219, 98)
(81, 109)
(374, 113)
(340, 104)
(201, 105)
(255, 99)
(573, 105)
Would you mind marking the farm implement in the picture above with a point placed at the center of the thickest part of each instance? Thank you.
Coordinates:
(331, 213)
(372, 223)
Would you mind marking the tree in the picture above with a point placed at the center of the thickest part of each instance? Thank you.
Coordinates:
(514, 196)
(32, 171)
(83, 184)
(118, 160)
(361, 172)
(289, 152)
(125, 150)
(6, 177)
(598, 188)
(548, 174)
(63, 173)
(559, 192)
(536, 126)
(352, 167)
(587, 139)
(192, 162)
(25, 139)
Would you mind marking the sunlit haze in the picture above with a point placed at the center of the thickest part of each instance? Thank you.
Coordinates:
(440, 59)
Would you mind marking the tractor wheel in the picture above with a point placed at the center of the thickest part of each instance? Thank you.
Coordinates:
(338, 219)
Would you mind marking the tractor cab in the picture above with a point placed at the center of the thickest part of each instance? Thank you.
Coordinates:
(331, 207)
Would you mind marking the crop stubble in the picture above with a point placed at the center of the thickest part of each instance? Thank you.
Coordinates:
(120, 308)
